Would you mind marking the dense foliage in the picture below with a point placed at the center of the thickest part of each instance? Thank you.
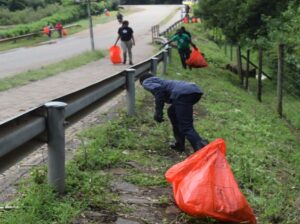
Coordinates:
(65, 11)
(259, 22)
(129, 2)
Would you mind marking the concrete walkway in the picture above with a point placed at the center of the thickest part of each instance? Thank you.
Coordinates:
(20, 99)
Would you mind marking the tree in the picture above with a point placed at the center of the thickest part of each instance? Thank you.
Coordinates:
(240, 19)
(14, 5)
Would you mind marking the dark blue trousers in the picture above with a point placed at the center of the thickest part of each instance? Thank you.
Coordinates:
(181, 116)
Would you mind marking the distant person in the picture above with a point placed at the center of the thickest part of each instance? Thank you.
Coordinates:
(120, 17)
(183, 43)
(47, 31)
(181, 96)
(125, 33)
(187, 11)
(59, 28)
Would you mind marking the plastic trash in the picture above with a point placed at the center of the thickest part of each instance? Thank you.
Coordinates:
(204, 186)
(115, 54)
(196, 59)
(64, 32)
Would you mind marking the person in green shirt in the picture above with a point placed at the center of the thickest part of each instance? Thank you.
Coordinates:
(183, 42)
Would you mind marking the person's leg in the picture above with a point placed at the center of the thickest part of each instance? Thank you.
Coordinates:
(124, 49)
(179, 138)
(186, 52)
(182, 58)
(184, 112)
(129, 47)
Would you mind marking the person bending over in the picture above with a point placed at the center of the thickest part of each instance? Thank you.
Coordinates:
(181, 96)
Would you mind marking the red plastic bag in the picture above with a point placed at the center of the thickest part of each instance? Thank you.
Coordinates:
(196, 59)
(46, 30)
(186, 20)
(204, 186)
(64, 32)
(115, 54)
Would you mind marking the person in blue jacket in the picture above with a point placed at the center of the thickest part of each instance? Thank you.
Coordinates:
(181, 96)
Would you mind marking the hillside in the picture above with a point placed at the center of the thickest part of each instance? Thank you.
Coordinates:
(133, 152)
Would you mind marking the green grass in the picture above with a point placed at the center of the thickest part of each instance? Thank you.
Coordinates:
(263, 152)
(83, 25)
(50, 70)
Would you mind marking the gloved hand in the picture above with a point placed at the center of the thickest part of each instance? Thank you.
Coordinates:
(158, 118)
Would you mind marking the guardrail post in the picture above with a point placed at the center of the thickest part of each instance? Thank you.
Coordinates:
(56, 144)
(130, 87)
(165, 60)
(154, 62)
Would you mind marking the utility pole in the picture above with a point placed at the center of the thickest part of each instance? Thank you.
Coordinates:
(91, 24)
(88, 6)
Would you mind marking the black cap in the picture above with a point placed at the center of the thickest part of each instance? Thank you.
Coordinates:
(145, 76)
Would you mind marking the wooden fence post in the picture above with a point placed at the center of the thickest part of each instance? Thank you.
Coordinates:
(259, 79)
(247, 69)
(239, 64)
(280, 78)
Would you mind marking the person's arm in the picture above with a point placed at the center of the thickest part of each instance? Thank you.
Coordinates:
(157, 91)
(159, 105)
(117, 40)
(191, 43)
(170, 41)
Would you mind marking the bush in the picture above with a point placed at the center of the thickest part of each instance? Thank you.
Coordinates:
(67, 15)
(27, 15)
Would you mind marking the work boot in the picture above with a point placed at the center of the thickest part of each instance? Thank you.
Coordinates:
(130, 63)
(200, 145)
(177, 147)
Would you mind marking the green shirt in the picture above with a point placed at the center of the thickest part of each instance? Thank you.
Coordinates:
(182, 40)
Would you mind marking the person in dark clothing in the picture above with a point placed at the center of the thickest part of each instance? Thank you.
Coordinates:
(187, 11)
(120, 17)
(183, 43)
(182, 96)
(127, 41)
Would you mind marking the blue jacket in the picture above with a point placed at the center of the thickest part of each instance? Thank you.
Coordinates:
(168, 91)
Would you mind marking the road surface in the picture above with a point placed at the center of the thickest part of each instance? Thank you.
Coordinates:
(20, 99)
(23, 59)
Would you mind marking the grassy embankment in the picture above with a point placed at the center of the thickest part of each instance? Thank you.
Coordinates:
(262, 151)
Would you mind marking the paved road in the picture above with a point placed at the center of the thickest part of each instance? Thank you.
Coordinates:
(23, 59)
(20, 99)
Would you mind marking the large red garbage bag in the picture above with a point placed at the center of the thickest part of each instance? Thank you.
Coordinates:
(46, 30)
(115, 54)
(204, 186)
(196, 59)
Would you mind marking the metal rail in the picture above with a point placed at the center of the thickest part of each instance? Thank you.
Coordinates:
(32, 129)
(29, 35)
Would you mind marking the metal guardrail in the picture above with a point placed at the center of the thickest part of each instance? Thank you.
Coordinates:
(28, 131)
(31, 34)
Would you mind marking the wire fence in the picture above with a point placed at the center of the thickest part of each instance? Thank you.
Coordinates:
(276, 88)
